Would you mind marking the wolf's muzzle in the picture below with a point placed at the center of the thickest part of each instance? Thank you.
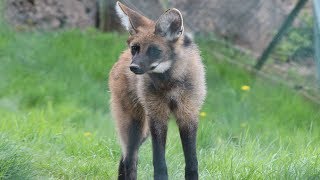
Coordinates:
(136, 69)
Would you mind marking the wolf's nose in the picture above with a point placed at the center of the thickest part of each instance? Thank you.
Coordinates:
(136, 69)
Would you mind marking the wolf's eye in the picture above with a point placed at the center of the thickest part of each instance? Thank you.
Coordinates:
(135, 49)
(154, 52)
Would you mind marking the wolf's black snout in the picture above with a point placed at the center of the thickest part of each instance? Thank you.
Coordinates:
(136, 69)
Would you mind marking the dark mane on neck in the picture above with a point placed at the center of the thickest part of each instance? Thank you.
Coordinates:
(164, 82)
(161, 81)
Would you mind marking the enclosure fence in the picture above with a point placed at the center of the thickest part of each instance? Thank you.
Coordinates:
(317, 35)
(294, 56)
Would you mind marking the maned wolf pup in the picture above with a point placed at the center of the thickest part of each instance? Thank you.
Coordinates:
(160, 73)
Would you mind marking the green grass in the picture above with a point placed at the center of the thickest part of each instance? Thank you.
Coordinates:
(55, 120)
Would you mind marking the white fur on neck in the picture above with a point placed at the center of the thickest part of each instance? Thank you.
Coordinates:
(162, 67)
(155, 64)
(123, 17)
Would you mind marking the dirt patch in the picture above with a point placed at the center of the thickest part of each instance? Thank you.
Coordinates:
(51, 14)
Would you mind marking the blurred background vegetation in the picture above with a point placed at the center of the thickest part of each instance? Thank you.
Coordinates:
(54, 114)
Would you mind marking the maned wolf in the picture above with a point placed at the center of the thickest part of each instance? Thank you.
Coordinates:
(160, 73)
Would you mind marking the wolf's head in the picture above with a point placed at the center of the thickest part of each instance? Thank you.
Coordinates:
(151, 43)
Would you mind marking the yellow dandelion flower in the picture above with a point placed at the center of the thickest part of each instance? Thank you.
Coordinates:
(243, 125)
(245, 88)
(87, 134)
(219, 140)
(203, 114)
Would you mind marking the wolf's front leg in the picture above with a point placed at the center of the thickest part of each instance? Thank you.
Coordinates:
(188, 135)
(158, 129)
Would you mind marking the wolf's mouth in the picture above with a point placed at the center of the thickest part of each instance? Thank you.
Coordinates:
(154, 66)
(136, 69)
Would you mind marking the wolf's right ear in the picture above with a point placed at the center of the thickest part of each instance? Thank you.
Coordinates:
(131, 19)
(170, 25)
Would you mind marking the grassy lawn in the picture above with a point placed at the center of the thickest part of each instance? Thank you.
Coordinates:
(55, 120)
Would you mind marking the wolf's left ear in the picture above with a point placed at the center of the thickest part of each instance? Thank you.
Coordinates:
(131, 19)
(170, 25)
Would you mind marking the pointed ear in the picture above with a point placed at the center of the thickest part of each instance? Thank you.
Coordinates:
(131, 19)
(170, 25)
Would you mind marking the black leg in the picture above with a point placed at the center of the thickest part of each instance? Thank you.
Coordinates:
(128, 163)
(122, 173)
(188, 134)
(158, 131)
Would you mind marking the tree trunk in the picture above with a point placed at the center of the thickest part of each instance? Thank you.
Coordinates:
(107, 18)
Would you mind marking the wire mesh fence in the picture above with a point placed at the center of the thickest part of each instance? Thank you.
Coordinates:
(317, 35)
(293, 59)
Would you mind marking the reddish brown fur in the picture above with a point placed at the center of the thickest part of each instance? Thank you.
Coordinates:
(151, 97)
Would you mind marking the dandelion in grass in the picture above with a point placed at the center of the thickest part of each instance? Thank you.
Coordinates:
(87, 134)
(203, 114)
(243, 125)
(245, 88)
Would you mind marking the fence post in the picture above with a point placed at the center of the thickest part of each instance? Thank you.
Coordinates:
(107, 18)
(316, 5)
(283, 29)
